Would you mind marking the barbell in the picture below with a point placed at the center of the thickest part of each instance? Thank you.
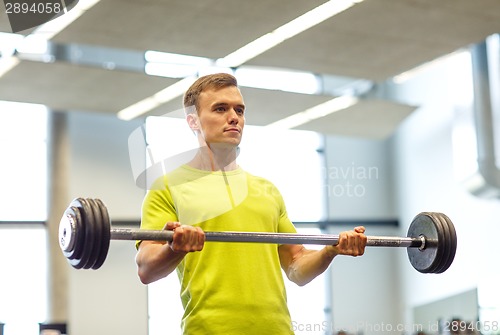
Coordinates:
(85, 233)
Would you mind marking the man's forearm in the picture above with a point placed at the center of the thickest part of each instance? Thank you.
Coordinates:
(310, 264)
(156, 261)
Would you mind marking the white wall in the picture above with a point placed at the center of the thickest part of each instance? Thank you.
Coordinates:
(359, 178)
(110, 300)
(365, 290)
(425, 182)
(100, 164)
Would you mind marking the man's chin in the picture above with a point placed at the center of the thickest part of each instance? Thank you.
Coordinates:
(225, 145)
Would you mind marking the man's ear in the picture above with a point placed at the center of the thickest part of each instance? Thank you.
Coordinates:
(193, 121)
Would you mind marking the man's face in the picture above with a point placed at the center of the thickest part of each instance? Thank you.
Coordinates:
(221, 116)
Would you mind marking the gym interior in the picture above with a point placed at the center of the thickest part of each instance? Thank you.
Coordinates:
(369, 114)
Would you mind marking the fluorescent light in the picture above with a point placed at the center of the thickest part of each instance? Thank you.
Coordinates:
(214, 69)
(138, 109)
(34, 48)
(171, 58)
(175, 90)
(170, 70)
(407, 75)
(288, 30)
(53, 27)
(8, 43)
(313, 17)
(249, 51)
(150, 103)
(277, 79)
(316, 112)
(33, 44)
(331, 106)
(172, 65)
(256, 47)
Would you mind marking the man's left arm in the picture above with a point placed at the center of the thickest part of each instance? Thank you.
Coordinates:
(302, 265)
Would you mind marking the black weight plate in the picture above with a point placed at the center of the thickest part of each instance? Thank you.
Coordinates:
(106, 235)
(441, 256)
(442, 243)
(87, 224)
(97, 234)
(451, 243)
(425, 259)
(79, 234)
(453, 240)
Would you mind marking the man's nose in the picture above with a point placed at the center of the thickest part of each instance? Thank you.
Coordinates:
(233, 116)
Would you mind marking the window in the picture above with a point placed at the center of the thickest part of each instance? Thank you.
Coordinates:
(23, 283)
(23, 152)
(23, 254)
(293, 162)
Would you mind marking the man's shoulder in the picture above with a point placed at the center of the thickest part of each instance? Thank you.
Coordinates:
(259, 180)
(174, 177)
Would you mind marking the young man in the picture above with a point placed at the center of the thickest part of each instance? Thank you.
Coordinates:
(227, 288)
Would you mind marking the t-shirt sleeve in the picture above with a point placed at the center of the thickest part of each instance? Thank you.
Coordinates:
(284, 224)
(157, 209)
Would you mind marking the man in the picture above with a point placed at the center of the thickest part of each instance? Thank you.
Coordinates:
(227, 288)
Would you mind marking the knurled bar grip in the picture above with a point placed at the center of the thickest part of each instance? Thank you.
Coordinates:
(277, 238)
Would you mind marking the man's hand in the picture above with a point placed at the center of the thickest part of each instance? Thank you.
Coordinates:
(186, 238)
(351, 243)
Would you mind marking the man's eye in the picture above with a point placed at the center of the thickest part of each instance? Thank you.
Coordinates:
(220, 109)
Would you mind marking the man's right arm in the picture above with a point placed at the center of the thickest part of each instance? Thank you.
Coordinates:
(156, 260)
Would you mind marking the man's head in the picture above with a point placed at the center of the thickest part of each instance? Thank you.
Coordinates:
(220, 110)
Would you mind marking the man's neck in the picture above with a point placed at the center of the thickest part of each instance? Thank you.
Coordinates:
(215, 158)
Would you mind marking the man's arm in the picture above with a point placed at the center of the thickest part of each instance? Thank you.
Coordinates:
(302, 265)
(156, 260)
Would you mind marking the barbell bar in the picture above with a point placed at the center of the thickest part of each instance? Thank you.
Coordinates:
(85, 232)
(258, 237)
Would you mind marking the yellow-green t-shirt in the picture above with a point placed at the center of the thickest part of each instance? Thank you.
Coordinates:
(227, 288)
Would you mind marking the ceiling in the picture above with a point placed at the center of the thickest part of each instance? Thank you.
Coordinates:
(374, 40)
